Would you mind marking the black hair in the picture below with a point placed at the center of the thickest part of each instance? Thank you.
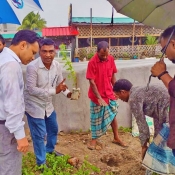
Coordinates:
(47, 42)
(167, 32)
(102, 45)
(2, 39)
(122, 84)
(25, 35)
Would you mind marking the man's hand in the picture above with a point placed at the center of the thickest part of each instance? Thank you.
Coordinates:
(61, 87)
(69, 95)
(158, 68)
(144, 149)
(101, 102)
(23, 145)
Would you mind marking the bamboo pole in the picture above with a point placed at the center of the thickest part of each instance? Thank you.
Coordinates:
(133, 34)
(91, 24)
(109, 42)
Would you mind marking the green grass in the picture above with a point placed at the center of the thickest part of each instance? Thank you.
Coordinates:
(57, 165)
(125, 129)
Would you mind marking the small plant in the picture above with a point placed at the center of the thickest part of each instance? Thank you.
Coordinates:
(154, 173)
(109, 173)
(90, 55)
(69, 67)
(125, 129)
(151, 40)
(125, 55)
(56, 165)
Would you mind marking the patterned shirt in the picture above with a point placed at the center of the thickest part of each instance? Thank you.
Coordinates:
(171, 138)
(153, 103)
(11, 93)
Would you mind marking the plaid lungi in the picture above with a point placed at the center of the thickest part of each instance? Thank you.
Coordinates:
(159, 158)
(102, 117)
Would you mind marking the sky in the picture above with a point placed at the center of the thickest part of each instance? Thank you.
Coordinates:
(56, 11)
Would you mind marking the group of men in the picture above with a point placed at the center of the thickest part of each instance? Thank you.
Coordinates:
(44, 80)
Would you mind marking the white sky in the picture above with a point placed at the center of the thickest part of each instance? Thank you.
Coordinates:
(56, 11)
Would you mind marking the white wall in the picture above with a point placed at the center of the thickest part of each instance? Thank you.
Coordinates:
(75, 115)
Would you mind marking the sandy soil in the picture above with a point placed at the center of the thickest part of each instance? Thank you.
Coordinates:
(112, 158)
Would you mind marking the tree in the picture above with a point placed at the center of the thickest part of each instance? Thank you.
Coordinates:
(151, 40)
(33, 22)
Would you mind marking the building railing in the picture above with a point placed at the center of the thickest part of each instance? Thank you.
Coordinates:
(118, 52)
(59, 55)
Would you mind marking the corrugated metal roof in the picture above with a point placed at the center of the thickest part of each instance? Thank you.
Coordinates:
(102, 20)
(59, 31)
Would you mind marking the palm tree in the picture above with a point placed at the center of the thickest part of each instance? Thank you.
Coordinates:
(151, 40)
(33, 22)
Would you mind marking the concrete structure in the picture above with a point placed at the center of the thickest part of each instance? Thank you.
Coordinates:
(74, 115)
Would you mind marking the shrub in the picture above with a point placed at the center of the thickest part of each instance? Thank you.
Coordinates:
(57, 165)
(90, 55)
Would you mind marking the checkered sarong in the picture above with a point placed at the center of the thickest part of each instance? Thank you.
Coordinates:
(102, 117)
(159, 158)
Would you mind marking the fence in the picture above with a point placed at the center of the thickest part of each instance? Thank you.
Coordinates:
(123, 51)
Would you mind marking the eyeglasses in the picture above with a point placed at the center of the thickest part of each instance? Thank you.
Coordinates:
(163, 53)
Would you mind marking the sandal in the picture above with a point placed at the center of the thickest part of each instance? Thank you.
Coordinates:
(98, 146)
(91, 147)
(119, 143)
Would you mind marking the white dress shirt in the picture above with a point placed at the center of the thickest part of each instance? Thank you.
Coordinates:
(40, 87)
(11, 93)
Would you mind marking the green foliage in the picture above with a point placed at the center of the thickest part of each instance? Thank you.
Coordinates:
(125, 55)
(125, 129)
(56, 165)
(68, 64)
(90, 55)
(109, 173)
(151, 40)
(33, 22)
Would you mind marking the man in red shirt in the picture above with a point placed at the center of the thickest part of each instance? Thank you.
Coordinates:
(103, 106)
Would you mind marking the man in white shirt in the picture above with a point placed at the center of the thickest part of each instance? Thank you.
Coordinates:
(43, 80)
(2, 43)
(12, 135)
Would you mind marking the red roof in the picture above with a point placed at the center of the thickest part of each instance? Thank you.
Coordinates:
(59, 31)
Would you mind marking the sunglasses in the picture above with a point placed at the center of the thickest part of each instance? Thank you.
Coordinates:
(167, 44)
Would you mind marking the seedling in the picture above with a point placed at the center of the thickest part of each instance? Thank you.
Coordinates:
(71, 75)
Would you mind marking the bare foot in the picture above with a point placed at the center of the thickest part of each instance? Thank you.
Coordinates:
(93, 144)
(119, 142)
